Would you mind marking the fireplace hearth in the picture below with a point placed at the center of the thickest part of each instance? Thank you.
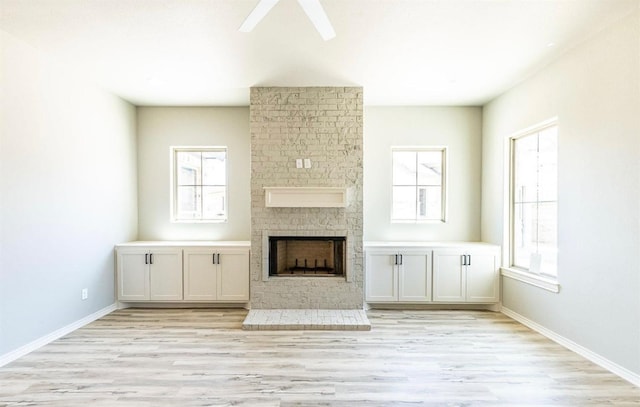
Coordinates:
(306, 256)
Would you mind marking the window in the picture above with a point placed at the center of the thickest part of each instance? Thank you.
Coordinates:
(199, 184)
(418, 184)
(534, 200)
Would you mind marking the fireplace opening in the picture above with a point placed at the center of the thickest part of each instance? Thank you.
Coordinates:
(306, 256)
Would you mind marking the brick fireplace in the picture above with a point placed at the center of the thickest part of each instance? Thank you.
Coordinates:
(324, 126)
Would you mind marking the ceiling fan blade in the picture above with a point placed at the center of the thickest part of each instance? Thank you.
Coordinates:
(318, 17)
(257, 15)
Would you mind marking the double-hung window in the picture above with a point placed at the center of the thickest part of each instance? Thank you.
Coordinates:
(534, 200)
(199, 184)
(418, 177)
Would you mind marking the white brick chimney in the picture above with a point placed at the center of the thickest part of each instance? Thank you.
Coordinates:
(324, 126)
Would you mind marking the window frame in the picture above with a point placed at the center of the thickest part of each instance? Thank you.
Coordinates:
(443, 185)
(173, 187)
(539, 279)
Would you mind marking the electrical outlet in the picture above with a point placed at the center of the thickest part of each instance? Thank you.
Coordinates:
(298, 162)
(307, 163)
(85, 293)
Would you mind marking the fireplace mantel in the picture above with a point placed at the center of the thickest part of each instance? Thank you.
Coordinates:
(305, 197)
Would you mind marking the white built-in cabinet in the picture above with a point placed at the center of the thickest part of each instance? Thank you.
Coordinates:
(431, 272)
(466, 275)
(182, 271)
(149, 274)
(216, 274)
(398, 275)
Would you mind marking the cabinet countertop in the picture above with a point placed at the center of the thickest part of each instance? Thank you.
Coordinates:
(186, 243)
(443, 245)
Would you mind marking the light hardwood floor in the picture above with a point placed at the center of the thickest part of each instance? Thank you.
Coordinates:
(201, 357)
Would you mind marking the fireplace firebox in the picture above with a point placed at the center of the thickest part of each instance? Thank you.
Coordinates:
(306, 256)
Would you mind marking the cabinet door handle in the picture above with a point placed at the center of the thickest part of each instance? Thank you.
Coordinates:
(146, 258)
(464, 259)
(468, 259)
(401, 260)
(213, 258)
(395, 262)
(151, 258)
(218, 258)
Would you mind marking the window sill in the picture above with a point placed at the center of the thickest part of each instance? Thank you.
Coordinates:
(417, 222)
(198, 221)
(546, 283)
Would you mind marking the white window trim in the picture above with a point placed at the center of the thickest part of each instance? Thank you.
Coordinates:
(173, 178)
(537, 280)
(445, 190)
(544, 281)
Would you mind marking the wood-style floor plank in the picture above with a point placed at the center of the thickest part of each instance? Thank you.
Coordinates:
(202, 357)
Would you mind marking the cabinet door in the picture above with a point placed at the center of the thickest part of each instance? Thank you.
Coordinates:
(200, 275)
(233, 275)
(165, 274)
(449, 282)
(132, 275)
(414, 277)
(482, 277)
(381, 276)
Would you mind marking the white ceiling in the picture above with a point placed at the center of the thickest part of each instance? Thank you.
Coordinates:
(403, 52)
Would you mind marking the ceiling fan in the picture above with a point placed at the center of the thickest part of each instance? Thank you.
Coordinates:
(312, 8)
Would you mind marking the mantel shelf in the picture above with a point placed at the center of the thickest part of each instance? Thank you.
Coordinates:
(305, 197)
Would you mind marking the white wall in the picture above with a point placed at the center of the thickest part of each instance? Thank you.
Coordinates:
(595, 92)
(458, 128)
(67, 193)
(159, 128)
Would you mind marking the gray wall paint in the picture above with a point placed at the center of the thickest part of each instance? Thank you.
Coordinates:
(68, 193)
(595, 92)
(459, 129)
(159, 128)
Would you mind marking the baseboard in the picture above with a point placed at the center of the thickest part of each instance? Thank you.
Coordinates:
(40, 342)
(601, 361)
(180, 305)
(430, 306)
